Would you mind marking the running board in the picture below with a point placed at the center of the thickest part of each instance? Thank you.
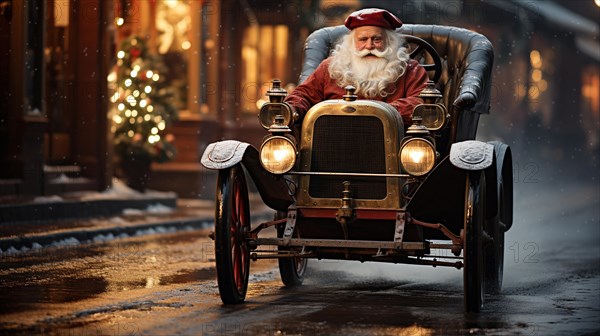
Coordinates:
(301, 242)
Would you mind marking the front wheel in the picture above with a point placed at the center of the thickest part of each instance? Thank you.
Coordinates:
(232, 221)
(291, 269)
(473, 271)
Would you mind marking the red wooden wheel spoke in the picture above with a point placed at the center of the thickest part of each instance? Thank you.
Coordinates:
(236, 267)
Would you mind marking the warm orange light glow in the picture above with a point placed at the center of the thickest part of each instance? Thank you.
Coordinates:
(264, 57)
(536, 59)
(590, 91)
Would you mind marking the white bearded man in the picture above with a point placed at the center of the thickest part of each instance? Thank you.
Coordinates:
(371, 59)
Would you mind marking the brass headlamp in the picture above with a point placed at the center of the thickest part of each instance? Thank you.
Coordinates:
(417, 152)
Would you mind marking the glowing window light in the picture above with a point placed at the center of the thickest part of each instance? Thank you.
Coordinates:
(536, 75)
(536, 59)
(533, 93)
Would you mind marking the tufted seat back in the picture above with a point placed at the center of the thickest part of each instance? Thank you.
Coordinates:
(465, 82)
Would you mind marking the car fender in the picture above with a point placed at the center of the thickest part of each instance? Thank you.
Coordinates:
(223, 154)
(272, 188)
(472, 155)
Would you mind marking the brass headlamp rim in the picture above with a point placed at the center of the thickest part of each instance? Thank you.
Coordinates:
(408, 140)
(287, 137)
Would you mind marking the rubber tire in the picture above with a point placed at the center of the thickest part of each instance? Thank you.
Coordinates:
(473, 270)
(494, 257)
(291, 270)
(232, 220)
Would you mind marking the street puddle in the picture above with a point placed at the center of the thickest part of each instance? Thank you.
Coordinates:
(190, 276)
(186, 276)
(24, 296)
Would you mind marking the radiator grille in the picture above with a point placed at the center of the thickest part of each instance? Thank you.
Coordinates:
(352, 145)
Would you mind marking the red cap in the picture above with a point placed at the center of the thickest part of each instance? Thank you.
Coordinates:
(372, 17)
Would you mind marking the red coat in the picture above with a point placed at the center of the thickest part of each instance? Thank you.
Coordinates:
(319, 86)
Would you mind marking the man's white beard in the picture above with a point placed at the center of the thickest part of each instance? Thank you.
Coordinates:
(371, 76)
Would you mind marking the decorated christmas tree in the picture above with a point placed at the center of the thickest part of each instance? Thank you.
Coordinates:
(141, 106)
(141, 109)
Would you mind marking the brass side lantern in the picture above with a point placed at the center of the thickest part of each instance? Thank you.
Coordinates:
(434, 116)
(278, 151)
(276, 107)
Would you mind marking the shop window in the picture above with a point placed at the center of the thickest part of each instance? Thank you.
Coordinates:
(264, 58)
(173, 29)
(173, 26)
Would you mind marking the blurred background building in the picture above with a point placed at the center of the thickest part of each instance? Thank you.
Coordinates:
(57, 109)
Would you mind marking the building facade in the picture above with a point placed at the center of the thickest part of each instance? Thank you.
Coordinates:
(55, 116)
(56, 124)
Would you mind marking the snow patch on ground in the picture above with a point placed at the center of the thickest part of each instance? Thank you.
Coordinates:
(100, 238)
(120, 190)
(151, 209)
(48, 199)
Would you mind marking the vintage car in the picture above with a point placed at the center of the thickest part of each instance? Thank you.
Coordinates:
(357, 184)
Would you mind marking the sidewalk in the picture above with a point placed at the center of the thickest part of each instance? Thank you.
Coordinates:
(97, 217)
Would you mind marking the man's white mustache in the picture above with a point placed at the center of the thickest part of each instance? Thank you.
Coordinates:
(374, 52)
